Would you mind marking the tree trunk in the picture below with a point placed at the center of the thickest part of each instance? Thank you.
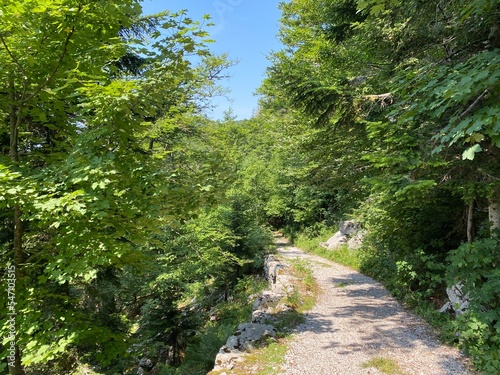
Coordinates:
(471, 228)
(494, 216)
(17, 369)
(14, 122)
(174, 348)
(14, 118)
(494, 211)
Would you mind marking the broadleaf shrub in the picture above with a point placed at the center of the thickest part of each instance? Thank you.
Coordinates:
(476, 266)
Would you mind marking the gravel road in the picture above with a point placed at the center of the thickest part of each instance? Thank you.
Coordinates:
(356, 320)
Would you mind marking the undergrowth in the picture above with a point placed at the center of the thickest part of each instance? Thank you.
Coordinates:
(269, 357)
(202, 349)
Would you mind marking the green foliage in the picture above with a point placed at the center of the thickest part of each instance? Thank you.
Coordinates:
(201, 352)
(129, 215)
(202, 348)
(84, 192)
(405, 246)
(475, 265)
(461, 96)
(402, 136)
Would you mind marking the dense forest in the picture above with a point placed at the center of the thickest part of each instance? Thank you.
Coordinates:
(134, 226)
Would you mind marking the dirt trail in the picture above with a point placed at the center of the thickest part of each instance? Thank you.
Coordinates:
(356, 320)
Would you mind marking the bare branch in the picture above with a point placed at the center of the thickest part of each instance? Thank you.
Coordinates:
(381, 97)
(473, 105)
(59, 62)
(14, 59)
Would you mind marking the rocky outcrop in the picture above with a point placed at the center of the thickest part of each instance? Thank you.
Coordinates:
(458, 301)
(265, 305)
(349, 234)
(145, 365)
(334, 242)
(356, 240)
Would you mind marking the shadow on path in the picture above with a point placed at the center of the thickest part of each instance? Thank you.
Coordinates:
(358, 311)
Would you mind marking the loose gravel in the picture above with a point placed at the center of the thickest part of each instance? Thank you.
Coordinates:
(356, 320)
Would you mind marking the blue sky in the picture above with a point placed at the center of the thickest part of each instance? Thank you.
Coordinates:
(246, 30)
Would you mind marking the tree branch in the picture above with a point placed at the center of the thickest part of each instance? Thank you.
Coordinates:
(14, 59)
(58, 65)
(473, 105)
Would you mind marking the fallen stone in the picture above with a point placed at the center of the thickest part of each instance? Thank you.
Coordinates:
(145, 365)
(266, 300)
(260, 317)
(264, 306)
(334, 242)
(249, 333)
(458, 301)
(356, 240)
(272, 268)
(348, 227)
(226, 359)
(232, 343)
(349, 233)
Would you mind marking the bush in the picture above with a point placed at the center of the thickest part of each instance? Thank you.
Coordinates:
(477, 267)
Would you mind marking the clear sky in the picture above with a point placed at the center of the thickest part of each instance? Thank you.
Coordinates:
(246, 30)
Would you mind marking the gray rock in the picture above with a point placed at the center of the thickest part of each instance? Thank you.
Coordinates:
(446, 307)
(243, 340)
(260, 317)
(334, 242)
(459, 302)
(266, 300)
(146, 364)
(226, 359)
(272, 268)
(248, 333)
(356, 240)
(348, 227)
(264, 306)
(232, 343)
(253, 332)
(349, 233)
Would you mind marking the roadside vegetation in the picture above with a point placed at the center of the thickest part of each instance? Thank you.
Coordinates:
(269, 357)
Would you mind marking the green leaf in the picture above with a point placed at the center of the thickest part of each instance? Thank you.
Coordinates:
(377, 9)
(470, 153)
(475, 138)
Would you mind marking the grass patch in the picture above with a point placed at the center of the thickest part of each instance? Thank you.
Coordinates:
(286, 321)
(385, 365)
(343, 255)
(343, 284)
(266, 360)
(303, 297)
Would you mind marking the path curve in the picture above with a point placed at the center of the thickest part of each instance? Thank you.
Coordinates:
(355, 320)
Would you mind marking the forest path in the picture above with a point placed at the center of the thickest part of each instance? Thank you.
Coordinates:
(355, 321)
